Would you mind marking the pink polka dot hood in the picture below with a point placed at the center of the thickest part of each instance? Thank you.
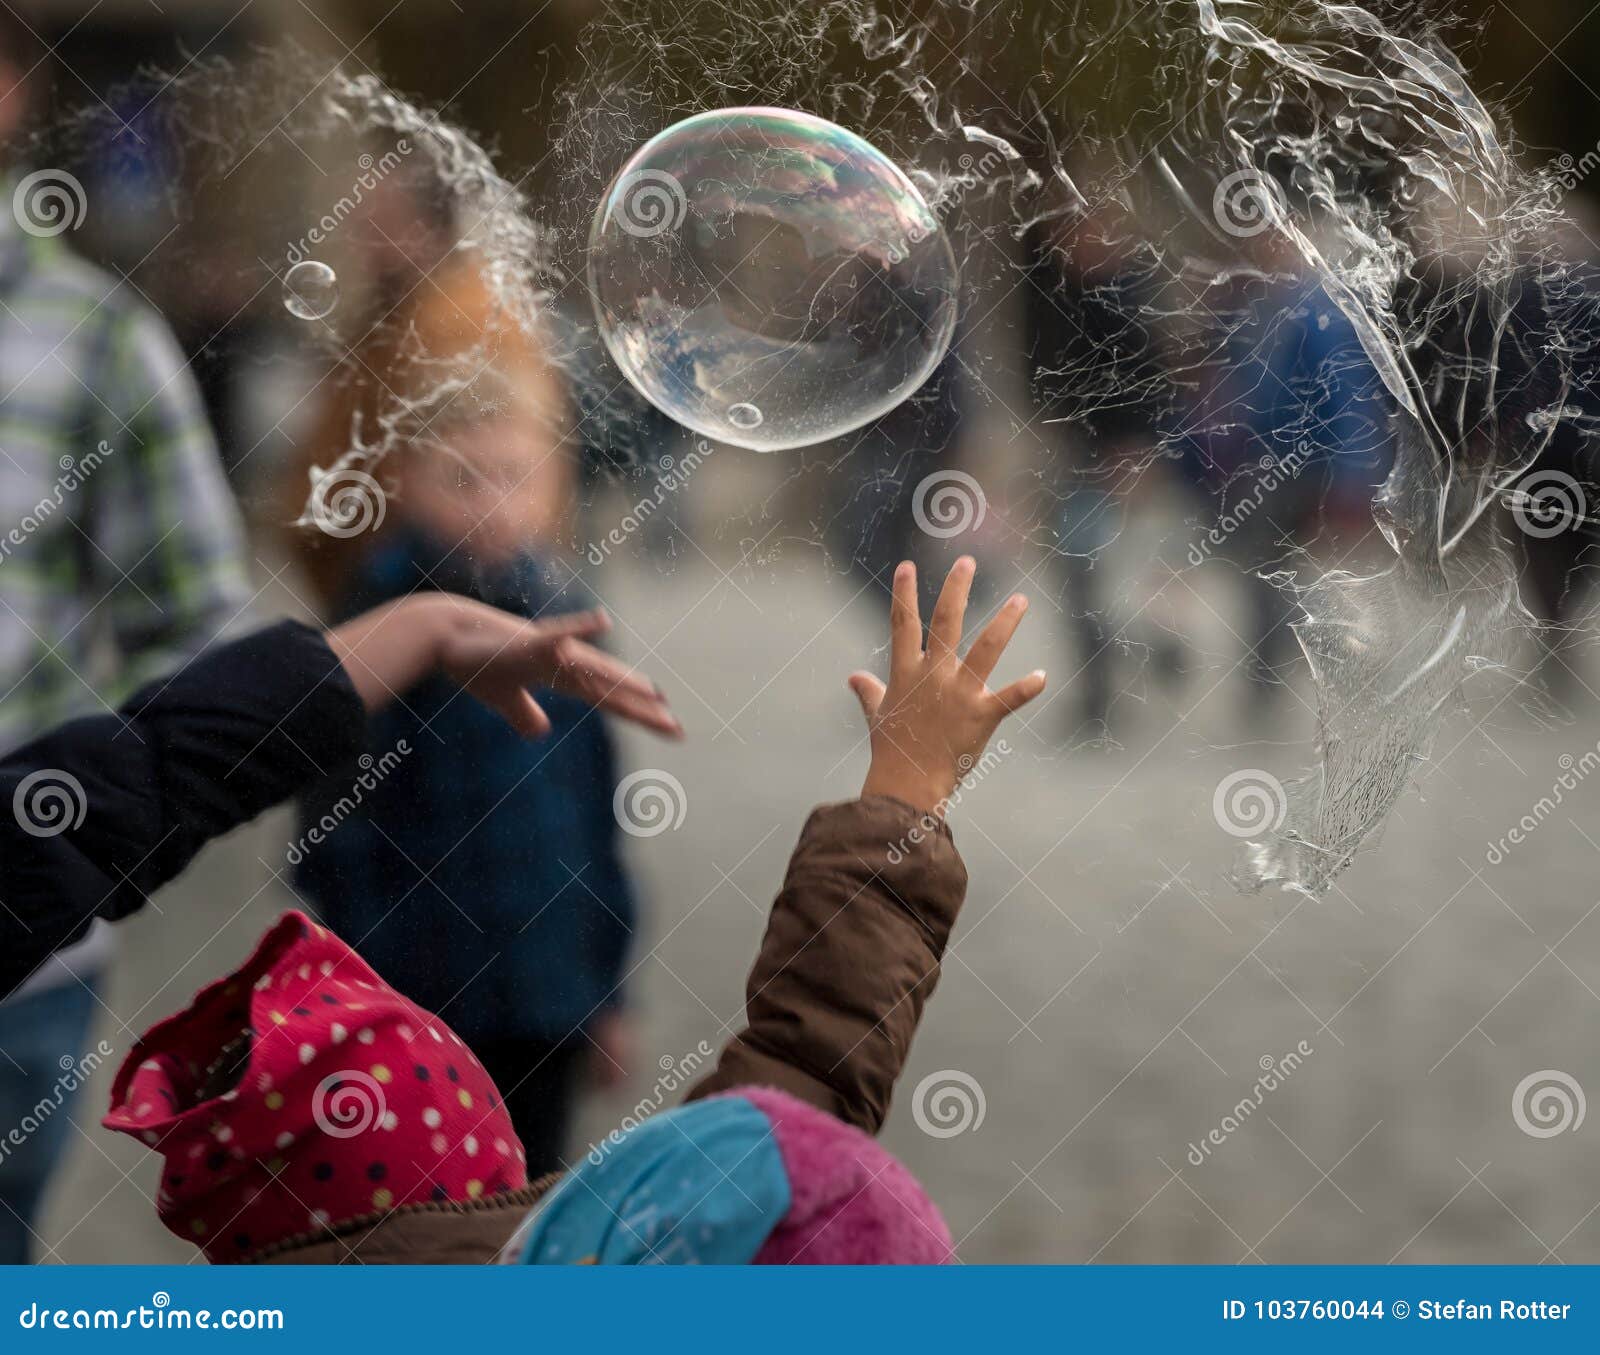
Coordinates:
(302, 1095)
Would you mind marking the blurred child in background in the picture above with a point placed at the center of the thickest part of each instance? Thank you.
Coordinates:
(482, 877)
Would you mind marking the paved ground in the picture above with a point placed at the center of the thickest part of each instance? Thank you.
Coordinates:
(1108, 996)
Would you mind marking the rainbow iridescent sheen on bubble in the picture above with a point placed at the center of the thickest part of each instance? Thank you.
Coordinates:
(770, 279)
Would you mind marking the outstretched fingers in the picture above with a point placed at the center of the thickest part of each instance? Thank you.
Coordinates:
(516, 706)
(573, 656)
(869, 692)
(905, 622)
(944, 631)
(991, 643)
(1009, 700)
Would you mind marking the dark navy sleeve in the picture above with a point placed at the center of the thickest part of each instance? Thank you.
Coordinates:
(100, 812)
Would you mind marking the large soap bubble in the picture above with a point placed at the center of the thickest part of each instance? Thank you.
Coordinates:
(770, 279)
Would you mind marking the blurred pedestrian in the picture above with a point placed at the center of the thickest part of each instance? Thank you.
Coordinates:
(122, 555)
(482, 877)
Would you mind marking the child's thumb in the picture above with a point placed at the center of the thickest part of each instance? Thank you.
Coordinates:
(869, 692)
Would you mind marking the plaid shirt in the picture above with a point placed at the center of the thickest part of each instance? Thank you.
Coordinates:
(121, 551)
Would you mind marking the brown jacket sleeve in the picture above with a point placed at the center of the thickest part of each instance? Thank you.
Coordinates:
(851, 954)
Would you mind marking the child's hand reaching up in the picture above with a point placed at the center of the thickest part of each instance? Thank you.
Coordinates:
(933, 720)
(496, 657)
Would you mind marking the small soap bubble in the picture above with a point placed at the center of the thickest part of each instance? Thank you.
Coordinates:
(770, 279)
(310, 290)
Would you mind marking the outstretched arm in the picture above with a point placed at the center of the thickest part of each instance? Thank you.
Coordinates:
(853, 947)
(104, 810)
